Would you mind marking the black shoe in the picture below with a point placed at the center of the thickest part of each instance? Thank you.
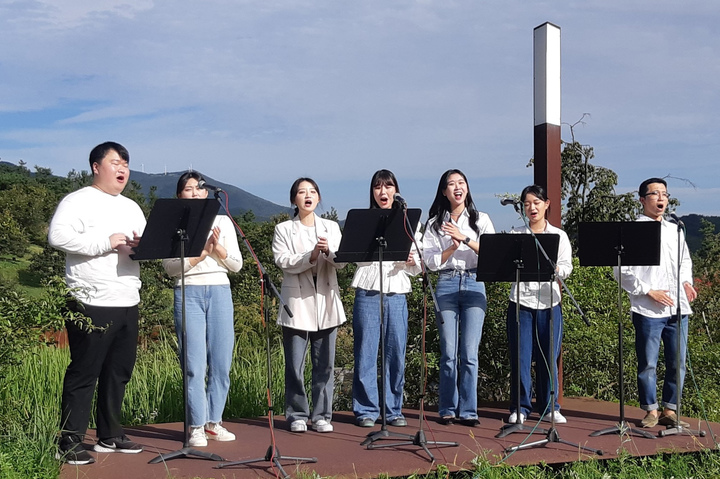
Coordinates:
(471, 422)
(71, 451)
(118, 444)
(398, 422)
(447, 420)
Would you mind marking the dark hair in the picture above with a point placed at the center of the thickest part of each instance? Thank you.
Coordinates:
(296, 187)
(535, 190)
(380, 178)
(441, 205)
(182, 181)
(643, 190)
(99, 152)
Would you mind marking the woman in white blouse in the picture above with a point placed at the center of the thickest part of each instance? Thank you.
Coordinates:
(209, 320)
(366, 322)
(304, 248)
(451, 244)
(535, 311)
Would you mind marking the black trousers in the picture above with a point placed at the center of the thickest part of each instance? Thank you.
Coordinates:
(104, 356)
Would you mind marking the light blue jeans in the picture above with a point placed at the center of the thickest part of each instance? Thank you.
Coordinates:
(322, 357)
(648, 334)
(462, 303)
(211, 336)
(366, 333)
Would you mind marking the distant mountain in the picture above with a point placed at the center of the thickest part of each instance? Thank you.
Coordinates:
(692, 226)
(240, 200)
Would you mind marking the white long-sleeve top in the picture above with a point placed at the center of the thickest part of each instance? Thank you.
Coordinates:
(464, 258)
(212, 270)
(536, 295)
(639, 280)
(81, 227)
(396, 274)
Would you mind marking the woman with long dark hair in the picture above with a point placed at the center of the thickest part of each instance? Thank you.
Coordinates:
(535, 310)
(451, 244)
(366, 321)
(209, 320)
(304, 248)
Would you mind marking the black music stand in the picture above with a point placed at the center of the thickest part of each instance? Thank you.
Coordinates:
(619, 244)
(378, 235)
(515, 257)
(178, 228)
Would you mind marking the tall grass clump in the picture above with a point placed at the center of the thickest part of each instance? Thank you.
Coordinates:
(29, 414)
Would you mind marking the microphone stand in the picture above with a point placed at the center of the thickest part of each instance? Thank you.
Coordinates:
(272, 454)
(678, 428)
(419, 439)
(552, 434)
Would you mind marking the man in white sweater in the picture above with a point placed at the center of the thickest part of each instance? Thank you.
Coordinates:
(97, 228)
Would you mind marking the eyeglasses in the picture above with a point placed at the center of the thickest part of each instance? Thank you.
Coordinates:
(658, 194)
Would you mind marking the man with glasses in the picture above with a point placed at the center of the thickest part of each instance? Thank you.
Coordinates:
(653, 303)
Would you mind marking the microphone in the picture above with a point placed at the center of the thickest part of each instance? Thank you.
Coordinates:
(400, 199)
(677, 220)
(206, 186)
(509, 201)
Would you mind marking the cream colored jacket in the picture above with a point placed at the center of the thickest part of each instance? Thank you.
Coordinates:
(314, 308)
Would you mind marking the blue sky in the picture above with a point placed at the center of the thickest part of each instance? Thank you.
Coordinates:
(258, 92)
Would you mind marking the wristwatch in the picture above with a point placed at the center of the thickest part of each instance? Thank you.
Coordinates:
(466, 240)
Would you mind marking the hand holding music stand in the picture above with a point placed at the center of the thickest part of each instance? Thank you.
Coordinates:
(620, 244)
(378, 235)
(177, 227)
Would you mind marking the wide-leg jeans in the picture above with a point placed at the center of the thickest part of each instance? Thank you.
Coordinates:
(462, 303)
(211, 339)
(366, 333)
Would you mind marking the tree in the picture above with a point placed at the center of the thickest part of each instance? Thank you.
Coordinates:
(589, 190)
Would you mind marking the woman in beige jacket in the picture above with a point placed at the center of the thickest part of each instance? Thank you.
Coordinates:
(304, 248)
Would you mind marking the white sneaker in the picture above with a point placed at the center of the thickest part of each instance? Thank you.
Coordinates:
(321, 425)
(559, 418)
(513, 418)
(197, 437)
(215, 431)
(298, 426)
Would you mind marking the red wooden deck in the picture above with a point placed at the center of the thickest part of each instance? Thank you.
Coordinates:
(339, 454)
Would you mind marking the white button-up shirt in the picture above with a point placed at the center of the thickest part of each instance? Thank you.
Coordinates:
(463, 258)
(536, 295)
(639, 280)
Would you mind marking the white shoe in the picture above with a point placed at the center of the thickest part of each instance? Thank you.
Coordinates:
(197, 437)
(559, 418)
(513, 418)
(215, 431)
(298, 426)
(321, 425)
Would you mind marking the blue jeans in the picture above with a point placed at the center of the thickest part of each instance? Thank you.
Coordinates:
(366, 332)
(534, 345)
(322, 356)
(462, 303)
(648, 334)
(210, 331)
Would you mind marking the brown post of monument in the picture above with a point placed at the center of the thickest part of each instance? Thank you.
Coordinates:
(546, 88)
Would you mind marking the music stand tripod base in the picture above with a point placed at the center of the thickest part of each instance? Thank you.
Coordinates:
(186, 452)
(622, 428)
(519, 428)
(552, 437)
(271, 455)
(682, 431)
